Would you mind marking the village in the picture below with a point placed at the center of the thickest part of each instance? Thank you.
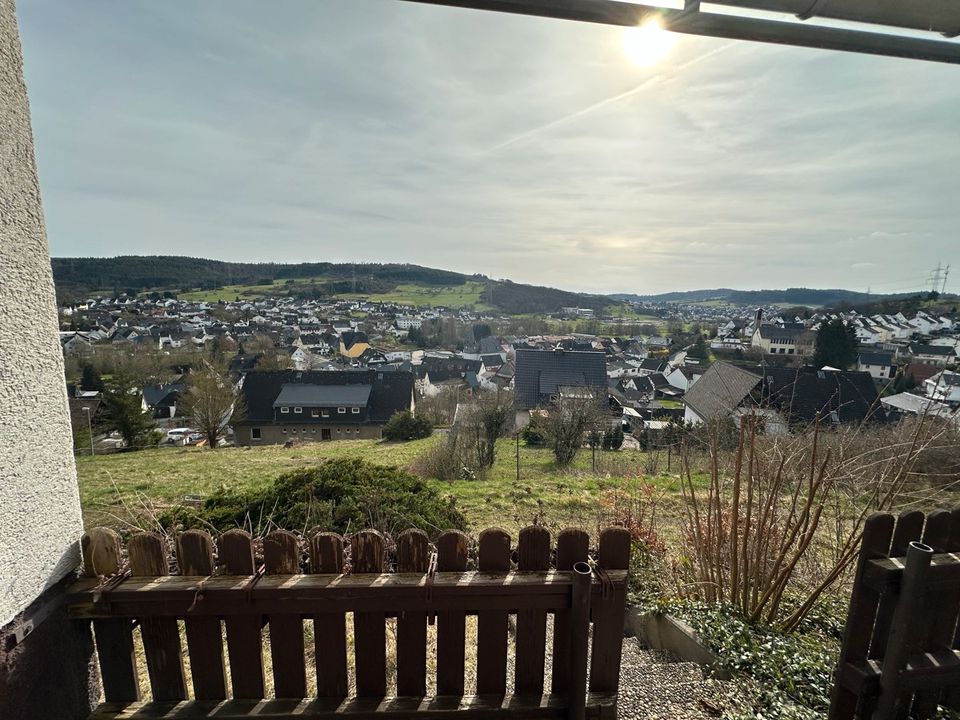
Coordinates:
(681, 371)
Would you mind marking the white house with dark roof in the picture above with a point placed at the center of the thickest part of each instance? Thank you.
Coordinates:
(880, 365)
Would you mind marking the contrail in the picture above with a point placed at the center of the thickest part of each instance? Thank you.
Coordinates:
(648, 83)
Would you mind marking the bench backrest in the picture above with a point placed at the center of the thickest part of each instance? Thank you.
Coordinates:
(900, 646)
(219, 592)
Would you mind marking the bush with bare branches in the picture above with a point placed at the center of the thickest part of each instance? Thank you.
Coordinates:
(780, 520)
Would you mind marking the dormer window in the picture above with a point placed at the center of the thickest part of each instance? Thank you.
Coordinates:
(355, 411)
(285, 409)
(298, 410)
(342, 410)
(326, 413)
(315, 413)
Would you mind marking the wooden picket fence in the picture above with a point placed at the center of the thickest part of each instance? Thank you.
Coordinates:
(221, 592)
(901, 645)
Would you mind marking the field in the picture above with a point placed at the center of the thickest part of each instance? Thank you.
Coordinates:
(115, 489)
(453, 296)
(228, 293)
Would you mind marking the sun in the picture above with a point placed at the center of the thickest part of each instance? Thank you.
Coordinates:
(648, 44)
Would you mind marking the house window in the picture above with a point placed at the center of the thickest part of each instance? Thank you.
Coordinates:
(284, 409)
(255, 433)
(338, 431)
(283, 430)
(293, 430)
(355, 411)
(342, 411)
(298, 410)
(313, 430)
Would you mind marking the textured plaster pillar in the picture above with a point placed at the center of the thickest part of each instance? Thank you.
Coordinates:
(47, 675)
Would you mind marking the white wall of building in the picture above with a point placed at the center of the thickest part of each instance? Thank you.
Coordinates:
(39, 502)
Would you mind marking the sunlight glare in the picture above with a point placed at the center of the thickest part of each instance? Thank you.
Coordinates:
(648, 43)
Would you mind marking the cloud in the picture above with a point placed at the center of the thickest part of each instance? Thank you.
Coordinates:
(517, 147)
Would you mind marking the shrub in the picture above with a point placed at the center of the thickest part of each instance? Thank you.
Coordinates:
(442, 460)
(613, 438)
(404, 426)
(759, 534)
(534, 434)
(342, 495)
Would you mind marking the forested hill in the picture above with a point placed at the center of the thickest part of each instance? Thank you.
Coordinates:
(793, 296)
(168, 272)
(78, 278)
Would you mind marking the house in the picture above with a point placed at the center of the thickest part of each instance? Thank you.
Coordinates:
(880, 365)
(790, 339)
(910, 404)
(943, 387)
(299, 357)
(353, 343)
(784, 396)
(935, 354)
(287, 405)
(160, 399)
(543, 375)
(408, 322)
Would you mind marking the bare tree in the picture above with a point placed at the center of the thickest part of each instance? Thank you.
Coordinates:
(493, 412)
(212, 402)
(568, 420)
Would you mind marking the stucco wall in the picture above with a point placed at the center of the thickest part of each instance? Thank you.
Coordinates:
(39, 504)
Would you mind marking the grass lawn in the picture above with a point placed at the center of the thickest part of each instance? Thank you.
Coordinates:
(113, 488)
(453, 296)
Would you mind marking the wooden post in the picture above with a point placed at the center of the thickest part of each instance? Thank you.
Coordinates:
(573, 546)
(114, 637)
(412, 557)
(281, 555)
(613, 554)
(860, 615)
(492, 624)
(906, 618)
(579, 639)
(533, 550)
(451, 626)
(329, 629)
(244, 638)
(204, 640)
(161, 635)
(369, 628)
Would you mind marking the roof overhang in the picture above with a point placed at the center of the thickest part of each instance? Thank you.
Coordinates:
(757, 21)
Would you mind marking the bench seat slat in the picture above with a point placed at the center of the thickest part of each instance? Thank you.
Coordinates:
(438, 708)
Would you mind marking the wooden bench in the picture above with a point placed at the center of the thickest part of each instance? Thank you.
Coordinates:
(232, 598)
(901, 645)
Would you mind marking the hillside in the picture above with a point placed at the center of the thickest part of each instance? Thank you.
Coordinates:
(214, 280)
(792, 296)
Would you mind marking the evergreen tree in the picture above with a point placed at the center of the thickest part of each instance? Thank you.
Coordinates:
(90, 379)
(836, 345)
(125, 410)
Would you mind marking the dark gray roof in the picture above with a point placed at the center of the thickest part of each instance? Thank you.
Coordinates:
(768, 332)
(721, 389)
(876, 358)
(540, 372)
(938, 350)
(552, 380)
(306, 395)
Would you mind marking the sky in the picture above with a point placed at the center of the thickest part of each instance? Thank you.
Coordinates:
(520, 148)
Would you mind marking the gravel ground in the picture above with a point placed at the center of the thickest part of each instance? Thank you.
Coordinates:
(654, 685)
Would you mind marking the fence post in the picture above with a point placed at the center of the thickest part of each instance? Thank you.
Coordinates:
(579, 631)
(905, 620)
(114, 637)
(860, 616)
